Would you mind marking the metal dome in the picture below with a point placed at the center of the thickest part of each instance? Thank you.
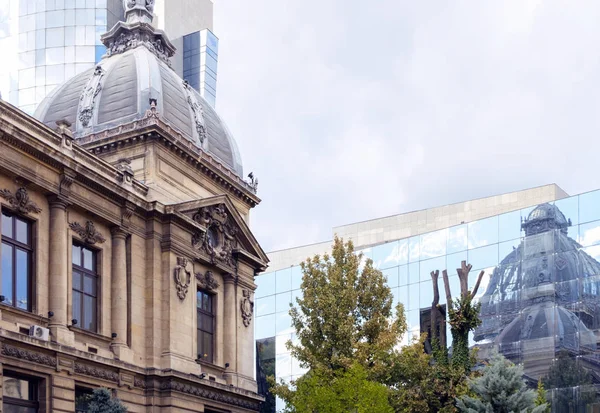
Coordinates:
(543, 218)
(134, 75)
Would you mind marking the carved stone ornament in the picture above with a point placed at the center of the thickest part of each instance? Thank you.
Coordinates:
(197, 110)
(207, 281)
(247, 307)
(219, 239)
(147, 4)
(98, 373)
(183, 277)
(88, 97)
(132, 39)
(20, 201)
(207, 393)
(26, 355)
(88, 233)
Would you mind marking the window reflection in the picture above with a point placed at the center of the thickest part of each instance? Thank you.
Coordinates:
(589, 207)
(433, 244)
(483, 232)
(457, 239)
(509, 226)
(539, 292)
(283, 280)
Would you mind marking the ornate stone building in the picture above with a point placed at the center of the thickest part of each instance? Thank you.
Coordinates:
(126, 261)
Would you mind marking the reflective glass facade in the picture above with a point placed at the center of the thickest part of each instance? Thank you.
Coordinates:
(45, 42)
(539, 294)
(200, 57)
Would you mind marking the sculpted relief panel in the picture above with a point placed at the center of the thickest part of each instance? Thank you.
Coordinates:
(219, 239)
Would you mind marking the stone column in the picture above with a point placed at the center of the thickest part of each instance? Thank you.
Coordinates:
(230, 324)
(58, 268)
(118, 278)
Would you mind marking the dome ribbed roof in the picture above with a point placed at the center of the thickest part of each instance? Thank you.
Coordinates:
(134, 75)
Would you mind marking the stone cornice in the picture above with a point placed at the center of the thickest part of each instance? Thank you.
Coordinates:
(30, 136)
(152, 128)
(47, 354)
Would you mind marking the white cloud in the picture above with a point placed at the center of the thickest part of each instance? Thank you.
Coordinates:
(350, 110)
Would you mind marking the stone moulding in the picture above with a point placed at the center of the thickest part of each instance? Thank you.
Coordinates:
(183, 277)
(96, 372)
(88, 233)
(20, 201)
(27, 355)
(208, 394)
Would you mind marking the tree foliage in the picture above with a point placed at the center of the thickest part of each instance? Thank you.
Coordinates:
(420, 385)
(346, 327)
(542, 397)
(571, 384)
(500, 389)
(345, 315)
(341, 391)
(101, 401)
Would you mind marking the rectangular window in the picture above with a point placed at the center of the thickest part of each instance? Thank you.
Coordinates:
(85, 287)
(82, 399)
(17, 252)
(206, 321)
(20, 394)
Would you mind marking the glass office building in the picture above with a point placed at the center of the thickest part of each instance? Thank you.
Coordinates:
(200, 57)
(45, 42)
(539, 297)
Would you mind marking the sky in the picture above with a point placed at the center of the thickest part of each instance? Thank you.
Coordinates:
(352, 110)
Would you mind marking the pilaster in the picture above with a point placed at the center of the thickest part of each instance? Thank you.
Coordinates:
(119, 295)
(58, 269)
(230, 329)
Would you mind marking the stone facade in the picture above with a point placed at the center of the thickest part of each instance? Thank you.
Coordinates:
(164, 219)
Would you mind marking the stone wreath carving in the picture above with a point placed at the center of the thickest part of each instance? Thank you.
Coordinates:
(183, 277)
(88, 233)
(247, 307)
(207, 281)
(219, 239)
(20, 201)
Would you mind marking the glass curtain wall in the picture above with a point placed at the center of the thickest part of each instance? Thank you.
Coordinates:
(539, 294)
(46, 42)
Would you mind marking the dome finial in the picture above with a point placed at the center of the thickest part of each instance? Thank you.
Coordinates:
(138, 11)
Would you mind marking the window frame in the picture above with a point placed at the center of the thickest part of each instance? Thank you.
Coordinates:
(33, 400)
(28, 248)
(200, 331)
(84, 272)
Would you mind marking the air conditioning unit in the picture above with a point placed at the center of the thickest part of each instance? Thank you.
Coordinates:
(41, 333)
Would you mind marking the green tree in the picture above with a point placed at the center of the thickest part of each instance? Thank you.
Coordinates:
(344, 319)
(419, 385)
(345, 315)
(500, 389)
(571, 384)
(342, 391)
(101, 401)
(542, 397)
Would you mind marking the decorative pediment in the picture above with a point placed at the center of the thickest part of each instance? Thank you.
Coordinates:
(222, 236)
